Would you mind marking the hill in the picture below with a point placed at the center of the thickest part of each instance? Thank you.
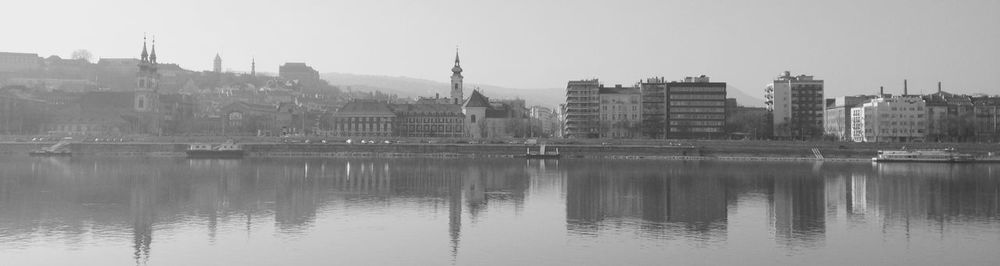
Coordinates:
(408, 87)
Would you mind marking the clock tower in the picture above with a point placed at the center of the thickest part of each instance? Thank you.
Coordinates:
(456, 82)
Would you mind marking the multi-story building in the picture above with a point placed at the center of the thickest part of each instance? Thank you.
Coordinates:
(889, 119)
(364, 118)
(696, 108)
(654, 107)
(544, 121)
(986, 111)
(693, 107)
(11, 62)
(837, 116)
(796, 105)
(582, 109)
(430, 120)
(621, 112)
(950, 116)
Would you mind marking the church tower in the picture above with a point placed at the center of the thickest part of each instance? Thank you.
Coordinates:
(147, 99)
(253, 67)
(456, 82)
(217, 64)
(147, 81)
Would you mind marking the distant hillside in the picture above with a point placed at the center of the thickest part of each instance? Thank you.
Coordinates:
(743, 98)
(413, 87)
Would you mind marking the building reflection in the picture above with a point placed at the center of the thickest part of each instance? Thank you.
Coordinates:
(798, 208)
(690, 200)
(600, 195)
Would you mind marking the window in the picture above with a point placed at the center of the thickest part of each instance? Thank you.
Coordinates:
(473, 118)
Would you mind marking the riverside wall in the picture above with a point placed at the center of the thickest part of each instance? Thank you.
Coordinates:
(727, 150)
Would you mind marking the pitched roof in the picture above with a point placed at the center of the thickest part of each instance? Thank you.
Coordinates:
(365, 108)
(477, 100)
(427, 108)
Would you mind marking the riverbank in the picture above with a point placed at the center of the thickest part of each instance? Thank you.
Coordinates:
(663, 150)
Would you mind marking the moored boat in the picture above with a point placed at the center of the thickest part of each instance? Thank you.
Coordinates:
(927, 155)
(59, 149)
(229, 149)
(542, 153)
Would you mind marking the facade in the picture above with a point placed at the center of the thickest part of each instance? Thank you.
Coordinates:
(430, 120)
(696, 108)
(889, 119)
(986, 111)
(242, 118)
(620, 112)
(13, 62)
(475, 114)
(950, 117)
(582, 109)
(544, 121)
(693, 107)
(364, 119)
(654, 107)
(796, 104)
(837, 116)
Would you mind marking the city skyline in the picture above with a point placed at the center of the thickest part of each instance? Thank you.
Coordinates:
(856, 47)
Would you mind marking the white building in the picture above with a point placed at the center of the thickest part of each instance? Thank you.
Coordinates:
(889, 119)
(796, 104)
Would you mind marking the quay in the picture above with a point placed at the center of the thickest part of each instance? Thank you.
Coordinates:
(635, 150)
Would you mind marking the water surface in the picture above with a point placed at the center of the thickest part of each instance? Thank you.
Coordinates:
(168, 211)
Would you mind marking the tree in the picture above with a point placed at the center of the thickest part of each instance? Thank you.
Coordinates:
(82, 54)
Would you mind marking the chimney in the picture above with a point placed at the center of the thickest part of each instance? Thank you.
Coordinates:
(881, 91)
(939, 86)
(437, 96)
(904, 88)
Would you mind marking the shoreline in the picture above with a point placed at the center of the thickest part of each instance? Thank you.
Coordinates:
(706, 150)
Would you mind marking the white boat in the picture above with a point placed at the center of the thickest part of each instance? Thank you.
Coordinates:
(229, 149)
(929, 155)
(542, 153)
(61, 148)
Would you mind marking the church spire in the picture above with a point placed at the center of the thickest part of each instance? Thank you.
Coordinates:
(144, 56)
(253, 67)
(152, 54)
(458, 68)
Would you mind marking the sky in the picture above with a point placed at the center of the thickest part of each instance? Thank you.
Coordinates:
(855, 46)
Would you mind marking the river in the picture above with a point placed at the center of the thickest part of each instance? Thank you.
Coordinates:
(293, 211)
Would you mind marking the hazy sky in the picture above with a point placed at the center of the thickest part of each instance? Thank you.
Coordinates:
(855, 46)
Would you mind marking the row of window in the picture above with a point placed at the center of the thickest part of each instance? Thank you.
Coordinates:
(619, 107)
(437, 128)
(364, 127)
(696, 123)
(697, 103)
(696, 129)
(697, 116)
(698, 89)
(697, 96)
(697, 110)
(901, 116)
(619, 117)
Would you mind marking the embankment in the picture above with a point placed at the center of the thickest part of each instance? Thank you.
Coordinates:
(727, 150)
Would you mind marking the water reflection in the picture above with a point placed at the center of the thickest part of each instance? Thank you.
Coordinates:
(72, 200)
